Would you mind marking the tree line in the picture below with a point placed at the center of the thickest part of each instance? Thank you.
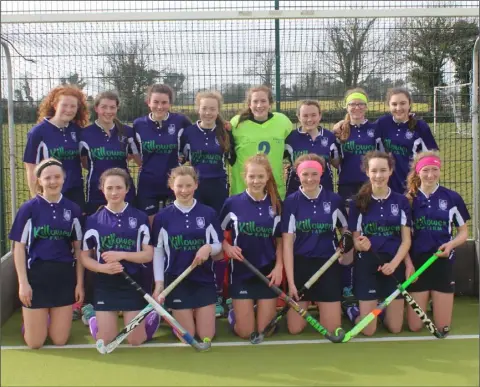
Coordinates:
(355, 57)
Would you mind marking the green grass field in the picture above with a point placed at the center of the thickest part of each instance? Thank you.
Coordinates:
(415, 359)
(456, 152)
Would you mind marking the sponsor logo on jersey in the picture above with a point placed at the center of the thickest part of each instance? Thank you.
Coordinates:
(132, 222)
(394, 209)
(200, 222)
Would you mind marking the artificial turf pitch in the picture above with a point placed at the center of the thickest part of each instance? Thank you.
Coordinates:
(415, 359)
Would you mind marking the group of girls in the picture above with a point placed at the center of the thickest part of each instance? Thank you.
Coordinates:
(291, 237)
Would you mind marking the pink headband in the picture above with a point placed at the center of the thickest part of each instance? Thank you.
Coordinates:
(310, 164)
(429, 160)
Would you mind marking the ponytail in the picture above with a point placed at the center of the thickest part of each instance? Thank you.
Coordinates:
(120, 128)
(412, 122)
(221, 134)
(345, 129)
(364, 196)
(246, 113)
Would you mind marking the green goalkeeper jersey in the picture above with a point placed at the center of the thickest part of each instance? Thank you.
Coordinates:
(251, 138)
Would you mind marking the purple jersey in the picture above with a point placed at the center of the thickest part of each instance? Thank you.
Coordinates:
(48, 229)
(254, 228)
(363, 138)
(201, 148)
(433, 218)
(403, 144)
(300, 143)
(313, 221)
(104, 152)
(159, 146)
(123, 231)
(383, 221)
(46, 140)
(180, 233)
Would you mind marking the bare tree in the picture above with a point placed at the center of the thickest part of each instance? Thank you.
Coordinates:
(264, 68)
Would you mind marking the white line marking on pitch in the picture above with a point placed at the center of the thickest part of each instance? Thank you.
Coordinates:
(246, 343)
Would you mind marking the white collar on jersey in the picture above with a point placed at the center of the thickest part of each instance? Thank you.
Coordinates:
(320, 131)
(316, 197)
(385, 198)
(255, 200)
(101, 127)
(205, 129)
(360, 124)
(48, 120)
(121, 212)
(150, 116)
(49, 202)
(427, 196)
(185, 209)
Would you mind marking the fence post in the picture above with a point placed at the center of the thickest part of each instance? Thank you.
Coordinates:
(476, 144)
(278, 91)
(3, 215)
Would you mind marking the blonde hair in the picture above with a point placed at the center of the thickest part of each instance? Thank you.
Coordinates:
(344, 132)
(183, 170)
(247, 112)
(413, 179)
(220, 129)
(43, 165)
(271, 185)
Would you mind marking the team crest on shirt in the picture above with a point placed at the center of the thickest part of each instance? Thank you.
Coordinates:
(67, 215)
(442, 204)
(200, 222)
(74, 136)
(371, 133)
(327, 207)
(216, 141)
(132, 222)
(394, 209)
(271, 212)
(122, 139)
(409, 134)
(171, 129)
(324, 141)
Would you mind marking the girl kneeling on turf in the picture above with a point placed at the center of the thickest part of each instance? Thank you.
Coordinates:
(435, 210)
(119, 236)
(380, 221)
(184, 233)
(309, 221)
(254, 220)
(50, 277)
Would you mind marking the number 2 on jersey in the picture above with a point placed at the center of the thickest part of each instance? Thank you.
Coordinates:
(264, 147)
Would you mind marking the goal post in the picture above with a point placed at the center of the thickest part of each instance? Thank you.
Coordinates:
(452, 109)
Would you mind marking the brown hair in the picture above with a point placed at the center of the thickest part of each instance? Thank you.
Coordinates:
(47, 107)
(271, 185)
(412, 121)
(183, 170)
(115, 172)
(43, 165)
(344, 132)
(112, 96)
(220, 130)
(246, 113)
(413, 179)
(364, 195)
(160, 89)
(309, 156)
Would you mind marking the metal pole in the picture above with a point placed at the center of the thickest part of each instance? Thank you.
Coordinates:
(476, 146)
(3, 215)
(11, 130)
(278, 95)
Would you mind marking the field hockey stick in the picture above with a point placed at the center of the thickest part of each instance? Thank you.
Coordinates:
(258, 337)
(201, 347)
(339, 332)
(374, 313)
(110, 347)
(432, 328)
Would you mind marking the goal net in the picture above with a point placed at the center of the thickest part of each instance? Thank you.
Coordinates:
(452, 112)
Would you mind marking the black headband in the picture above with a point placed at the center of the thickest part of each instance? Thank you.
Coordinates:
(48, 164)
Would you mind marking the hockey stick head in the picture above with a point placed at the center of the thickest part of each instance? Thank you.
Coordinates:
(256, 337)
(337, 337)
(445, 331)
(203, 347)
(100, 345)
(346, 242)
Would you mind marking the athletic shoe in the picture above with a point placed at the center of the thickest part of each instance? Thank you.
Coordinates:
(231, 319)
(152, 322)
(77, 311)
(229, 303)
(219, 309)
(87, 313)
(352, 313)
(92, 324)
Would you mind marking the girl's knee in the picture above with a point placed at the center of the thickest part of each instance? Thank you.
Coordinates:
(243, 333)
(59, 341)
(135, 341)
(35, 343)
(295, 330)
(415, 327)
